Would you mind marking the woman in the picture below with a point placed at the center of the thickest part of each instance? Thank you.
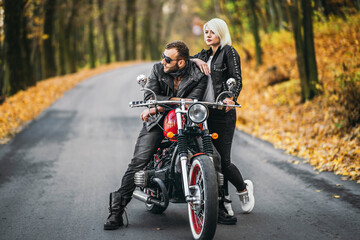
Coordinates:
(220, 63)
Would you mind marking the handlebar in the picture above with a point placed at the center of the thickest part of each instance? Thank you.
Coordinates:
(151, 103)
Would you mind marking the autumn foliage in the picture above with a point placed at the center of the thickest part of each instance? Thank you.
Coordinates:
(326, 130)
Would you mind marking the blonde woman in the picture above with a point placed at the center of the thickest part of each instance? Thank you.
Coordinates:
(221, 62)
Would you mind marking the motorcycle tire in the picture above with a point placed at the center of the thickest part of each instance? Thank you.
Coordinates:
(203, 186)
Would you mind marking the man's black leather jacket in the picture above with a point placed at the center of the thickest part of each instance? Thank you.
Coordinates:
(192, 86)
(224, 65)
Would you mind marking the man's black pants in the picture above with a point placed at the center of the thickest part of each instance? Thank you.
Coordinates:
(146, 146)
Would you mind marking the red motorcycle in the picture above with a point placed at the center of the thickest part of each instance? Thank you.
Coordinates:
(182, 170)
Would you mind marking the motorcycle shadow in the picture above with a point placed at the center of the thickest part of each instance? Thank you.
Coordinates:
(175, 218)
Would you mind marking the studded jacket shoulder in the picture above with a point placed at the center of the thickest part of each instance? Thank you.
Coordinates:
(224, 65)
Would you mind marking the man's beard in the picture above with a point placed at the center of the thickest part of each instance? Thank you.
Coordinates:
(173, 69)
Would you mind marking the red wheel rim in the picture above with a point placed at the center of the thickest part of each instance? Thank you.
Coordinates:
(196, 220)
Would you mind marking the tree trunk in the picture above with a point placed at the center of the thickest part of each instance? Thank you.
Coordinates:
(34, 50)
(2, 70)
(126, 30)
(280, 10)
(130, 26)
(133, 30)
(334, 7)
(61, 39)
(103, 30)
(69, 38)
(255, 31)
(309, 49)
(305, 51)
(92, 57)
(157, 37)
(49, 51)
(26, 49)
(14, 63)
(286, 10)
(299, 45)
(273, 15)
(130, 31)
(80, 45)
(357, 4)
(116, 24)
(147, 30)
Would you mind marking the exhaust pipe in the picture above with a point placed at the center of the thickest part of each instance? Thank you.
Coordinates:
(146, 198)
(141, 196)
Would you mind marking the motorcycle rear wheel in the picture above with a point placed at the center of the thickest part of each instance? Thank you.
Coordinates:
(203, 186)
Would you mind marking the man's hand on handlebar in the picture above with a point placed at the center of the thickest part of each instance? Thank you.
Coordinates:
(150, 111)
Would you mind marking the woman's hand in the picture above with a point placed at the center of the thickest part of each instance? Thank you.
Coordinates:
(229, 101)
(202, 65)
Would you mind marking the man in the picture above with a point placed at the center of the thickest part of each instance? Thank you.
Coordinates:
(174, 78)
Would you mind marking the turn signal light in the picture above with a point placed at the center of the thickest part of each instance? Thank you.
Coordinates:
(214, 136)
(170, 135)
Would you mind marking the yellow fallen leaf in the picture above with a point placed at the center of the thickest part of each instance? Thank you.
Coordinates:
(335, 196)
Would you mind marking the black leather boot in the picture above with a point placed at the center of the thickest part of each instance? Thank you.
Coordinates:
(116, 209)
(224, 217)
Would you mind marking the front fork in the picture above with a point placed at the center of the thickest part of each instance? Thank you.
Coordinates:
(182, 148)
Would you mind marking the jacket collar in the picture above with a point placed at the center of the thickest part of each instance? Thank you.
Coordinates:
(185, 81)
(209, 52)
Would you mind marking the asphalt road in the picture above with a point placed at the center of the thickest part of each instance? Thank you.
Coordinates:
(55, 177)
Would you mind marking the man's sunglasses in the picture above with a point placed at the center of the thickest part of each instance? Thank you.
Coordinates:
(167, 59)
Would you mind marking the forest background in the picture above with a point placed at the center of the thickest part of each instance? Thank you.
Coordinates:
(300, 62)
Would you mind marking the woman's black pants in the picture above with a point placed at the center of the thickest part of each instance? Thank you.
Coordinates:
(223, 123)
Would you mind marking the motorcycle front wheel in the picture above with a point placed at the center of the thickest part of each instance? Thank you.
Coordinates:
(203, 211)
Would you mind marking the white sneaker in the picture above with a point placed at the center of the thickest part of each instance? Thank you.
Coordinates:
(247, 199)
(227, 205)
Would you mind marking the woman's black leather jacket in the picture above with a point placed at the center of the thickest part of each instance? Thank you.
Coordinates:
(224, 65)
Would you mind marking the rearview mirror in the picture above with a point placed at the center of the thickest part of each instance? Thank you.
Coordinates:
(231, 83)
(141, 80)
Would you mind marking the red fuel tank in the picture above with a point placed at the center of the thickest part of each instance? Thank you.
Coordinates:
(170, 124)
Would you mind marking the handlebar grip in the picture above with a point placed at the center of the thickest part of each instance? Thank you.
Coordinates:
(136, 103)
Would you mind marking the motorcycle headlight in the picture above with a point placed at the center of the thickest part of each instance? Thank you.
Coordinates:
(198, 113)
